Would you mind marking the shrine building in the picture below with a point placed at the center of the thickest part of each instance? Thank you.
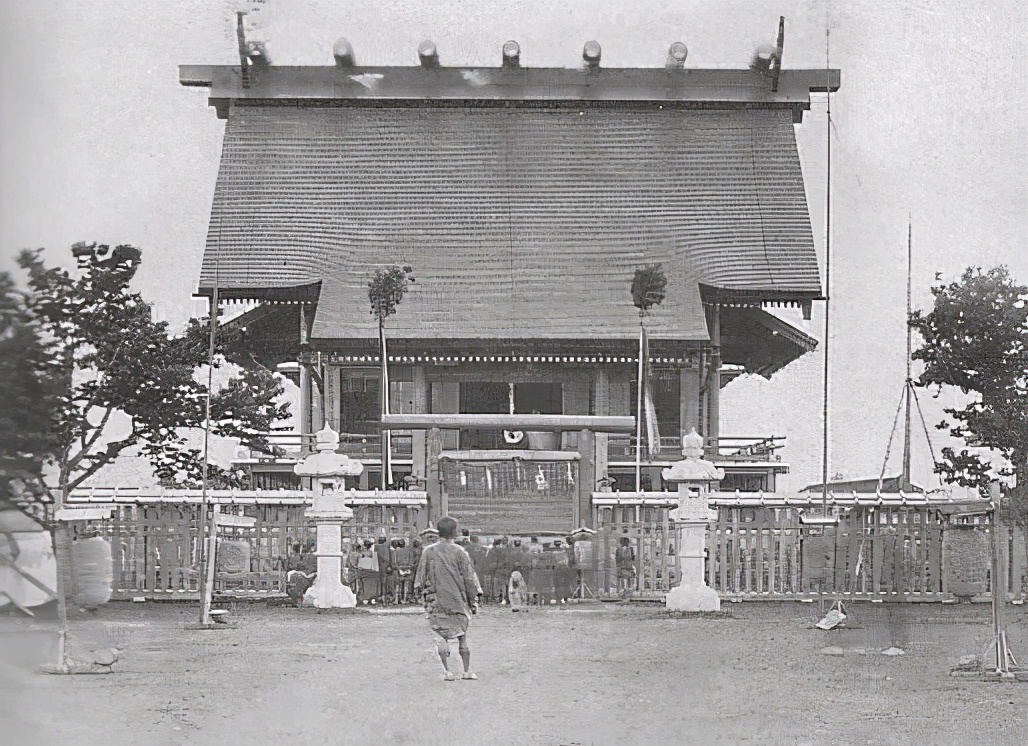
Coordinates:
(524, 200)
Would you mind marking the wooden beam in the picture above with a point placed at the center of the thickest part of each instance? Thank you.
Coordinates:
(523, 422)
(692, 86)
(504, 454)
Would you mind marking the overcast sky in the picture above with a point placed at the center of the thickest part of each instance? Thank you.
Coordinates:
(99, 142)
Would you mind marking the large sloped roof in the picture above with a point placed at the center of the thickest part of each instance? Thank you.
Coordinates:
(523, 199)
(518, 222)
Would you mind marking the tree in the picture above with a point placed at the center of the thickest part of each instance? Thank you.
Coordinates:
(91, 344)
(649, 287)
(386, 289)
(29, 391)
(976, 339)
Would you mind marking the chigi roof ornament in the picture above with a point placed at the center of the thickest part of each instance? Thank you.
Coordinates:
(767, 59)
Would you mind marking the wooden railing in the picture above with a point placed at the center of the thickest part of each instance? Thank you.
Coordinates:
(621, 448)
(294, 445)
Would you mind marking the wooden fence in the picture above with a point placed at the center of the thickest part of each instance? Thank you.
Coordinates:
(156, 549)
(887, 553)
(651, 536)
(155, 540)
(754, 551)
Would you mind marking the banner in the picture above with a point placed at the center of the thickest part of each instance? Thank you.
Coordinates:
(649, 409)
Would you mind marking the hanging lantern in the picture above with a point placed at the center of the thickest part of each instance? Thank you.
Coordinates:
(92, 572)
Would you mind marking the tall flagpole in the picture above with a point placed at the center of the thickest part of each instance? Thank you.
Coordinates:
(909, 383)
(385, 438)
(638, 408)
(828, 288)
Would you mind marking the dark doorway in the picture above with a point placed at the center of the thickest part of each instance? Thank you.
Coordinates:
(544, 398)
(490, 397)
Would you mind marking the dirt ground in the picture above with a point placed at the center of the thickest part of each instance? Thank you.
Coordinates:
(582, 675)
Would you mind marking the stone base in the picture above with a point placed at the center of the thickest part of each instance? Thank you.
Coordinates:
(692, 598)
(331, 595)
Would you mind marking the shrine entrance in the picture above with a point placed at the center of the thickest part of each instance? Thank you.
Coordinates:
(534, 487)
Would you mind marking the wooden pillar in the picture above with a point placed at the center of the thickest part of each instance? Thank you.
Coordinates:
(714, 390)
(433, 476)
(305, 400)
(419, 464)
(316, 373)
(586, 476)
(304, 360)
(331, 414)
(601, 406)
(689, 400)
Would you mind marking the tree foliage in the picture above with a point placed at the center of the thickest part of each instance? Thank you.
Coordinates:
(90, 345)
(649, 286)
(976, 339)
(386, 289)
(29, 390)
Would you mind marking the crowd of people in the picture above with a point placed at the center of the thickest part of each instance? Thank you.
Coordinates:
(536, 569)
(381, 570)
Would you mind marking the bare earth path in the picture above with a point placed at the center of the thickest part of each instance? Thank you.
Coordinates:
(586, 675)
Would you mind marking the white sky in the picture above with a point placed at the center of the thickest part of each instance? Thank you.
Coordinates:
(99, 142)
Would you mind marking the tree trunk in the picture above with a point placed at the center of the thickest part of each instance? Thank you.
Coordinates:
(61, 559)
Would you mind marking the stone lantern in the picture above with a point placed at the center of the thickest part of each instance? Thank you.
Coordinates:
(327, 469)
(695, 477)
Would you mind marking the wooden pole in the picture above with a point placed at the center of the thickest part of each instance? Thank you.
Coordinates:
(207, 556)
(828, 290)
(638, 410)
(999, 639)
(212, 552)
(60, 559)
(909, 384)
(385, 438)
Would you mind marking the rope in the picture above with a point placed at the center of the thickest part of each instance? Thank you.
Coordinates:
(888, 448)
(924, 425)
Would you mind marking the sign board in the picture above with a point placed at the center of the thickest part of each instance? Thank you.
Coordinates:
(83, 514)
(239, 521)
(506, 497)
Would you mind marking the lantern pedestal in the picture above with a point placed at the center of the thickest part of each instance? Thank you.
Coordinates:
(329, 510)
(693, 593)
(694, 477)
(328, 591)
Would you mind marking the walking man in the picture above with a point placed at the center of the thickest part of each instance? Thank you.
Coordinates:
(451, 590)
